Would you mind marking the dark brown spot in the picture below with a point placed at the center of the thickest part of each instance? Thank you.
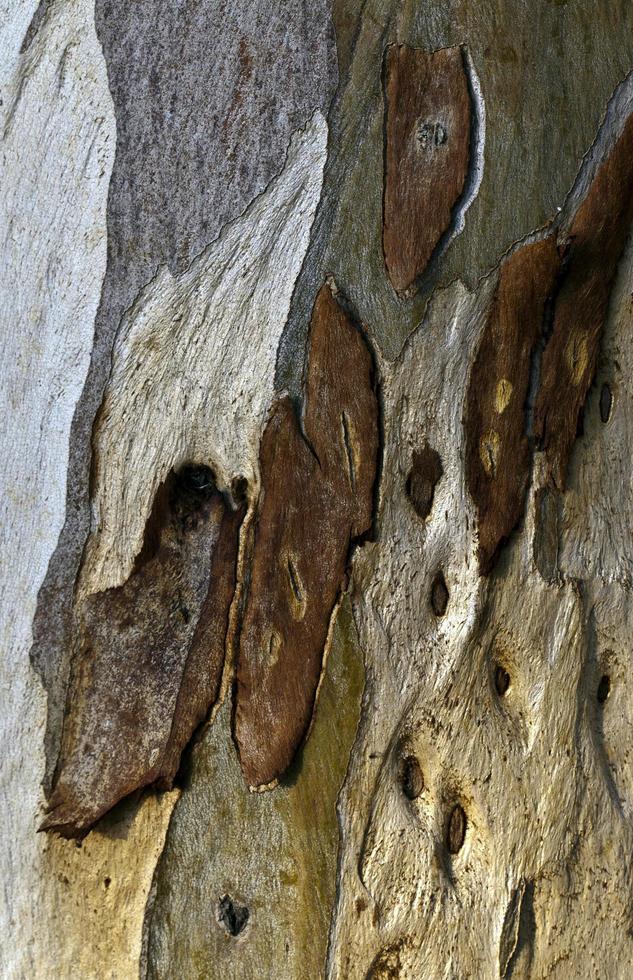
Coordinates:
(502, 680)
(604, 688)
(387, 964)
(606, 402)
(426, 470)
(439, 595)
(497, 449)
(232, 915)
(317, 497)
(456, 829)
(411, 778)
(427, 150)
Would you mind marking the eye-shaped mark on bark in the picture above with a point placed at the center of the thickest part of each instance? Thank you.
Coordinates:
(456, 829)
(297, 591)
(426, 470)
(232, 916)
(502, 680)
(606, 403)
(350, 445)
(411, 778)
(604, 689)
(439, 594)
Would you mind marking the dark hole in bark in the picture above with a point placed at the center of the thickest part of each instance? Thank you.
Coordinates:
(412, 780)
(606, 402)
(604, 687)
(439, 595)
(426, 469)
(197, 479)
(107, 882)
(502, 680)
(456, 830)
(232, 915)
(239, 487)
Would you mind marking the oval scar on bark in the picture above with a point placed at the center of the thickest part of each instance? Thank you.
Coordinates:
(456, 829)
(411, 778)
(439, 594)
(426, 470)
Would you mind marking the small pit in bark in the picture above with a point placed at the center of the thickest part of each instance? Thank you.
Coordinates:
(439, 595)
(426, 470)
(456, 829)
(604, 688)
(502, 680)
(412, 780)
(606, 402)
(232, 915)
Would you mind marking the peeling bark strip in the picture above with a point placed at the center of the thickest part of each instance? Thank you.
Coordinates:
(427, 151)
(317, 494)
(149, 655)
(497, 448)
(597, 237)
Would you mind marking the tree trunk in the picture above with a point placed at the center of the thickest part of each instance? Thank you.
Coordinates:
(316, 526)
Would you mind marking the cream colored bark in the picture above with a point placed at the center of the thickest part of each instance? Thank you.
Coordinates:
(541, 884)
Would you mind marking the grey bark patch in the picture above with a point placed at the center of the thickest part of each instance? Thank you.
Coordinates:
(36, 20)
(206, 97)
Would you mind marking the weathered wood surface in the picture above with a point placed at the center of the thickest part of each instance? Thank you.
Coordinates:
(188, 200)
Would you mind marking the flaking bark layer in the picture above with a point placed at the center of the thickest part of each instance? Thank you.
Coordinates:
(317, 495)
(427, 152)
(149, 656)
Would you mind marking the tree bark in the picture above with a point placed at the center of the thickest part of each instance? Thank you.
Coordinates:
(316, 503)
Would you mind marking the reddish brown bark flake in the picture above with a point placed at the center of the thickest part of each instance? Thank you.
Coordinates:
(149, 656)
(596, 240)
(427, 151)
(317, 494)
(497, 449)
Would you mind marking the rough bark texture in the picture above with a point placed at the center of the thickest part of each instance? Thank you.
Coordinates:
(365, 548)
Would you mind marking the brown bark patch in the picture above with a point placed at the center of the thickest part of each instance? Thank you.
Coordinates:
(497, 448)
(427, 151)
(317, 497)
(596, 240)
(149, 655)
